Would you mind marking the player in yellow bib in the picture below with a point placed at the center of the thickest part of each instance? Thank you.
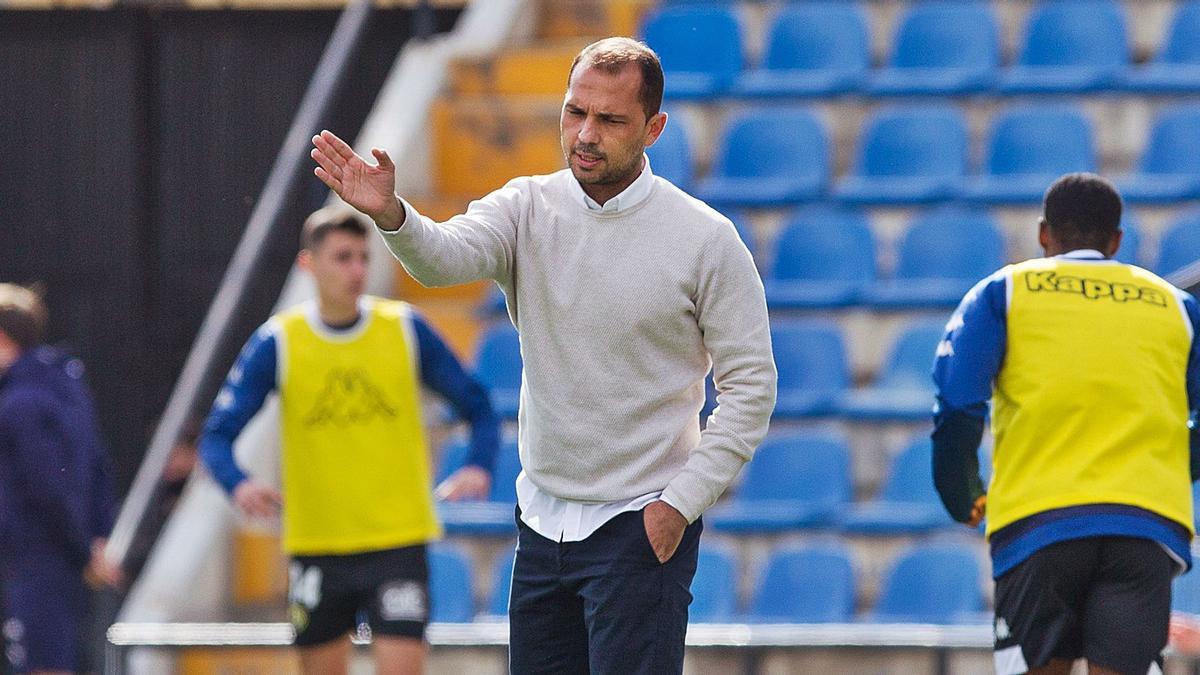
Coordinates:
(357, 504)
(1091, 369)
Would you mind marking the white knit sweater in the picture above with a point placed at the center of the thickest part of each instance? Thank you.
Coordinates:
(621, 315)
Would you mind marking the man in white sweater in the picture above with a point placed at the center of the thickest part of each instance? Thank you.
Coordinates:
(625, 291)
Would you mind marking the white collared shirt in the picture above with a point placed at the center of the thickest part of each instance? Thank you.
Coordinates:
(558, 519)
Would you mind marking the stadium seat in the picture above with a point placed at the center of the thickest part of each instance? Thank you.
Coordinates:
(1070, 46)
(811, 583)
(908, 155)
(795, 481)
(498, 367)
(450, 585)
(931, 583)
(942, 49)
(811, 360)
(767, 158)
(714, 588)
(1176, 67)
(502, 569)
(1131, 240)
(1029, 147)
(908, 502)
(1185, 593)
(824, 257)
(493, 517)
(813, 49)
(1169, 169)
(700, 49)
(943, 253)
(452, 457)
(1180, 244)
(904, 390)
(671, 155)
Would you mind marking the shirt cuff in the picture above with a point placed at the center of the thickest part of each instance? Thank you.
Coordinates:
(410, 216)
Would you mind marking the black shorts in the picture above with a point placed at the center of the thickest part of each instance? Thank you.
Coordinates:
(328, 594)
(1106, 599)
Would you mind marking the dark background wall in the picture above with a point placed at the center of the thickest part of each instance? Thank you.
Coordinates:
(137, 142)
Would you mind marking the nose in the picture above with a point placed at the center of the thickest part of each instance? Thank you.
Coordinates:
(588, 133)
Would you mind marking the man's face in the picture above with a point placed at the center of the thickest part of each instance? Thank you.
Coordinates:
(604, 127)
(338, 266)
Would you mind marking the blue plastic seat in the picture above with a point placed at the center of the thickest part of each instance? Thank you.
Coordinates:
(933, 583)
(768, 157)
(450, 585)
(452, 457)
(824, 258)
(813, 49)
(811, 360)
(1180, 244)
(1185, 593)
(904, 391)
(1169, 169)
(795, 481)
(1176, 67)
(700, 49)
(908, 502)
(671, 155)
(943, 253)
(1071, 46)
(1029, 147)
(908, 155)
(714, 588)
(502, 569)
(812, 583)
(942, 49)
(498, 368)
(1131, 240)
(495, 516)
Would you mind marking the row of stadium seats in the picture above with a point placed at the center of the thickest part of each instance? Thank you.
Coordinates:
(799, 480)
(939, 48)
(935, 582)
(814, 376)
(912, 154)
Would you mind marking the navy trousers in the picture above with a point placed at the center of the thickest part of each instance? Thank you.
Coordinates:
(604, 605)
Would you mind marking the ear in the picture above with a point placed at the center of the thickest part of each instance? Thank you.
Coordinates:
(654, 128)
(304, 260)
(1043, 234)
(1114, 244)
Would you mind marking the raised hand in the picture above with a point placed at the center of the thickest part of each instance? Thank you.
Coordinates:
(257, 500)
(370, 189)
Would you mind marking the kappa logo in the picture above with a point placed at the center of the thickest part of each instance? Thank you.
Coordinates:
(402, 601)
(1094, 289)
(349, 397)
(1001, 629)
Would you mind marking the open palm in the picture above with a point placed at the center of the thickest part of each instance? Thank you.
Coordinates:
(370, 189)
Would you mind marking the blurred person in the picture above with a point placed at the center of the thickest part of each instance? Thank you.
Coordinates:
(356, 503)
(1091, 369)
(625, 292)
(56, 500)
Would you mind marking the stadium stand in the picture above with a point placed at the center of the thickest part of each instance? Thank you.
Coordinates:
(880, 216)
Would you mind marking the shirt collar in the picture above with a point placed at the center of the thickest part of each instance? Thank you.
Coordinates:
(631, 196)
(1082, 254)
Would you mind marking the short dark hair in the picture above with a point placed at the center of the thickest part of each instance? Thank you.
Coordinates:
(612, 55)
(335, 218)
(22, 315)
(1082, 210)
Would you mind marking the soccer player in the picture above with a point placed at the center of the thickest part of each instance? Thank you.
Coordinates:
(356, 504)
(56, 504)
(1091, 368)
(625, 292)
